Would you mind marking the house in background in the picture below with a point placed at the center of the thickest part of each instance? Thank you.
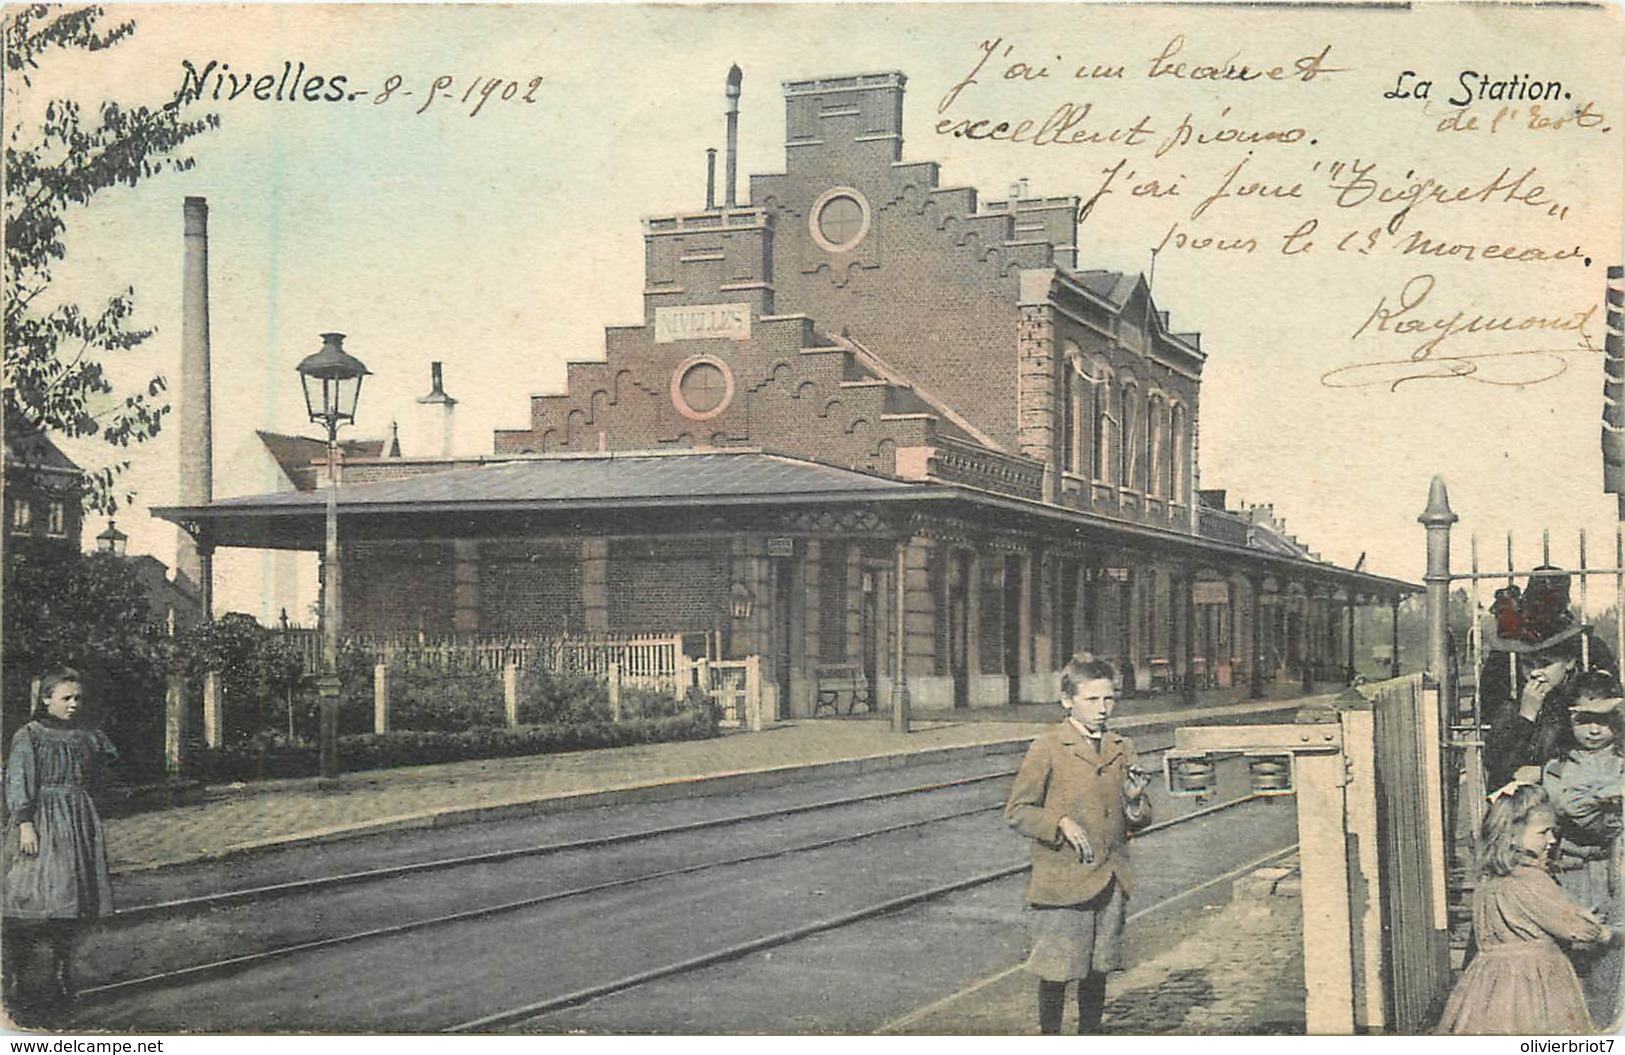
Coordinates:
(44, 513)
(869, 422)
(44, 489)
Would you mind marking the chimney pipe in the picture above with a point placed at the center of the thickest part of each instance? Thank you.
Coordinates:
(437, 397)
(710, 178)
(735, 76)
(194, 560)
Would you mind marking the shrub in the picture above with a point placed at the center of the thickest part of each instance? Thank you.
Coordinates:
(545, 696)
(444, 701)
(268, 759)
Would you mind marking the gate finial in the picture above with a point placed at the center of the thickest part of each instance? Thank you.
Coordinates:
(1438, 510)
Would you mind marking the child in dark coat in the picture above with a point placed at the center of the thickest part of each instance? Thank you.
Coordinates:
(1077, 795)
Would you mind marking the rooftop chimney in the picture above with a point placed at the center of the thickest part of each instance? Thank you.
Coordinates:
(196, 428)
(710, 178)
(437, 397)
(735, 77)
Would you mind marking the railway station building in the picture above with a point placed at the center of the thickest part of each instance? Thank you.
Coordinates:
(869, 422)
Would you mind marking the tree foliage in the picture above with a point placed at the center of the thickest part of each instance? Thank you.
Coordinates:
(88, 611)
(260, 674)
(54, 352)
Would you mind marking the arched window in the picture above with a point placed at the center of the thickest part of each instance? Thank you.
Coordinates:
(1078, 396)
(1070, 383)
(1101, 438)
(1132, 442)
(1181, 459)
(1156, 443)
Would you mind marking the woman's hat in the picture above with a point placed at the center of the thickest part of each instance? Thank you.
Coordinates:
(1536, 618)
(1560, 642)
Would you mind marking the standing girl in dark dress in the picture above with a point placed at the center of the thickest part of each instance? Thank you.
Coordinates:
(55, 859)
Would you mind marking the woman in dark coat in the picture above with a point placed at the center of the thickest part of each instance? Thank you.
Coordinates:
(1534, 653)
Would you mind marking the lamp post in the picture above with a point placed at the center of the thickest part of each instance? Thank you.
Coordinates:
(332, 383)
(112, 540)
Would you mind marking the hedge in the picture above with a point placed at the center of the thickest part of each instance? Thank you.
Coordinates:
(267, 761)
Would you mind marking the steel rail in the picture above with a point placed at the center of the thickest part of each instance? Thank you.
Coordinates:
(220, 899)
(541, 1008)
(215, 967)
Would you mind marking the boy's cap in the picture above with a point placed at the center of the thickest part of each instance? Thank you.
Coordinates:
(1596, 705)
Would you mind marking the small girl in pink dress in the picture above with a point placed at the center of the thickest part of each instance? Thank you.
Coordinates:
(1521, 981)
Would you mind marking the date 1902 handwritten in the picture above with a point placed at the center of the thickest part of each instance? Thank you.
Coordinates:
(217, 82)
(479, 91)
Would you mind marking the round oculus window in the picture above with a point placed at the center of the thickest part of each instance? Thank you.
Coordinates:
(840, 219)
(701, 388)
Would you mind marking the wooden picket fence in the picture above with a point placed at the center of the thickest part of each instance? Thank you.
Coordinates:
(653, 662)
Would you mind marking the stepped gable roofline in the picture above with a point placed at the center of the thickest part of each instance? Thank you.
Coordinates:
(952, 419)
(844, 82)
(706, 221)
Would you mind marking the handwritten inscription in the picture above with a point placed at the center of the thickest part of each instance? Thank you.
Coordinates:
(1216, 175)
(1409, 316)
(1001, 60)
(217, 82)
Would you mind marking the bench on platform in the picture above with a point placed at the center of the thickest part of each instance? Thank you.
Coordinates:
(1162, 674)
(834, 681)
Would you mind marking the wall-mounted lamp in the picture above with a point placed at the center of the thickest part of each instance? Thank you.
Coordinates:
(740, 601)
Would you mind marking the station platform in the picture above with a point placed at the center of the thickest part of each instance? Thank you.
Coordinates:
(1230, 967)
(238, 819)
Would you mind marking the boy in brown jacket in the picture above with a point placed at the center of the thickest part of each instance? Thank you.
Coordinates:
(1077, 795)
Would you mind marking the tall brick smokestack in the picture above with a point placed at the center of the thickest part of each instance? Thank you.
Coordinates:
(731, 175)
(196, 427)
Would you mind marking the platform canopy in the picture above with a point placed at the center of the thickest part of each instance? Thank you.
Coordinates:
(696, 491)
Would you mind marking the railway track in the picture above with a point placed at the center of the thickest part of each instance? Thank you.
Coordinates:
(528, 1014)
(575, 898)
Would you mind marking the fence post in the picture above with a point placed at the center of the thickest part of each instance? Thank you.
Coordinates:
(753, 693)
(380, 698)
(613, 675)
(1437, 518)
(175, 724)
(1358, 718)
(211, 708)
(510, 693)
(702, 678)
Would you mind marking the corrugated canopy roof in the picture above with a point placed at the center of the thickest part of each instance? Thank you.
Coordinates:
(684, 490)
(732, 474)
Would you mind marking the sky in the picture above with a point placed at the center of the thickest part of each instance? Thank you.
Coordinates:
(503, 241)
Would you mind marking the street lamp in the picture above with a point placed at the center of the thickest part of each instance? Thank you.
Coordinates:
(112, 540)
(332, 383)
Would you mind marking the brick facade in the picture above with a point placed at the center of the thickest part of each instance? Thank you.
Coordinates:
(860, 315)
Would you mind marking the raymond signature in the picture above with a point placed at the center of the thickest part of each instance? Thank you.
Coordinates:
(1431, 327)
(1525, 366)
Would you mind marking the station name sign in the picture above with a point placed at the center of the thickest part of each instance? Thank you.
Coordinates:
(698, 322)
